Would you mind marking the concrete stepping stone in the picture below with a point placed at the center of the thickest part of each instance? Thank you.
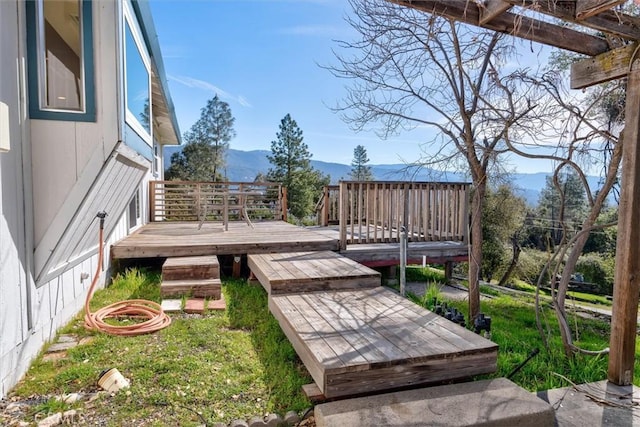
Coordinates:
(171, 305)
(497, 402)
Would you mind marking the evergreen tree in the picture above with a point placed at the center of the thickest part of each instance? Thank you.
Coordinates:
(203, 157)
(290, 158)
(561, 211)
(360, 171)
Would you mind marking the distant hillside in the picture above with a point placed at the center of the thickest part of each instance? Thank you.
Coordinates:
(245, 165)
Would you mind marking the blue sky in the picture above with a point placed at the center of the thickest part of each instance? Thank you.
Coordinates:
(262, 57)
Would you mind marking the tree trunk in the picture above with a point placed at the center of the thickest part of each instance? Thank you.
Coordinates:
(475, 257)
(514, 261)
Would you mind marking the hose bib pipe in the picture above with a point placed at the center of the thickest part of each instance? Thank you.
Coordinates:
(157, 319)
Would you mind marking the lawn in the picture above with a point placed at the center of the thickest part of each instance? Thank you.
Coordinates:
(216, 367)
(237, 364)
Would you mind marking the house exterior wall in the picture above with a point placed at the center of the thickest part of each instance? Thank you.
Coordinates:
(51, 183)
(67, 154)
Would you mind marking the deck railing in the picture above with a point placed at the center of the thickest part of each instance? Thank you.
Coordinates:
(376, 211)
(216, 201)
(328, 206)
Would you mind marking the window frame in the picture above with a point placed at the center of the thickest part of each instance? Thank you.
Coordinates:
(35, 66)
(134, 221)
(130, 21)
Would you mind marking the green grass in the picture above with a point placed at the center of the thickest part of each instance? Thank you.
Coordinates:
(514, 330)
(216, 367)
(415, 273)
(577, 296)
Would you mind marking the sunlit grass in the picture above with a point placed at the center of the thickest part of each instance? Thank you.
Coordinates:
(217, 367)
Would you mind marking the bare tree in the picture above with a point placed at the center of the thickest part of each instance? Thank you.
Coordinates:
(411, 69)
(587, 131)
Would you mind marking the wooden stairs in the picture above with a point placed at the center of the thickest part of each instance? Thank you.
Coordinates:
(197, 276)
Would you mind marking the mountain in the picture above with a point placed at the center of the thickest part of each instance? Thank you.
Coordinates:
(245, 165)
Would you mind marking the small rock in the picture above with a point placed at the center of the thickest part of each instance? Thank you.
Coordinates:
(68, 398)
(292, 418)
(257, 422)
(13, 407)
(67, 338)
(273, 420)
(52, 420)
(219, 425)
(70, 417)
(238, 423)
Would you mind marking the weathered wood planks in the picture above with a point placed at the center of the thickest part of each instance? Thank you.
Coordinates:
(181, 268)
(310, 271)
(358, 341)
(178, 239)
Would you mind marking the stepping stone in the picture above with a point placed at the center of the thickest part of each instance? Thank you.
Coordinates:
(171, 305)
(217, 304)
(197, 267)
(195, 306)
(497, 402)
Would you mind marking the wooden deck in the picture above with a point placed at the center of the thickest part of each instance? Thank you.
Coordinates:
(174, 239)
(310, 271)
(356, 340)
(372, 340)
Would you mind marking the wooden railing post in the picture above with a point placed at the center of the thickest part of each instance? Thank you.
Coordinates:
(152, 201)
(283, 202)
(344, 214)
(325, 207)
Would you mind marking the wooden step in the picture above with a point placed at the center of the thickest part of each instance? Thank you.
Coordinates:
(185, 268)
(200, 288)
(295, 272)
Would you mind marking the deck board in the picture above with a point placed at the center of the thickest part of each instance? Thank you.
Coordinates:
(310, 271)
(380, 341)
(176, 239)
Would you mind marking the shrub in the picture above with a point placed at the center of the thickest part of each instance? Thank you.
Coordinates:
(596, 269)
(530, 265)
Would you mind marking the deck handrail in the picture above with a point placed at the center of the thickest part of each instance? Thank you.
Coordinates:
(327, 207)
(216, 201)
(376, 211)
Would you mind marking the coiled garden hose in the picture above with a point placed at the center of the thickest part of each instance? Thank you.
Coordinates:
(157, 319)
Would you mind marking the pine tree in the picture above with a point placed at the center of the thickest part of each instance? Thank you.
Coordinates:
(204, 155)
(360, 171)
(290, 158)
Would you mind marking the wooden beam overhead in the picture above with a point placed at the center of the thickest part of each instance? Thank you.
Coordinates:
(492, 8)
(587, 8)
(602, 68)
(607, 21)
(515, 25)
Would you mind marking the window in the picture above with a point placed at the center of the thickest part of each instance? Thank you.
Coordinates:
(137, 78)
(60, 55)
(135, 214)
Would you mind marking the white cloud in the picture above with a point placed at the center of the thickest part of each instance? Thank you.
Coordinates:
(210, 87)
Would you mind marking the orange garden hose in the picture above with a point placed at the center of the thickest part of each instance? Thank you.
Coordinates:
(137, 308)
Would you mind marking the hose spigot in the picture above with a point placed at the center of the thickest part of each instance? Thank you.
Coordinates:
(102, 215)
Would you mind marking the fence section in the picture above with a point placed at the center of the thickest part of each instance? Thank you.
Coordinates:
(376, 211)
(216, 201)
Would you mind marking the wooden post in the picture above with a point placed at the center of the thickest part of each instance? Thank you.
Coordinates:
(152, 201)
(283, 203)
(344, 208)
(237, 266)
(325, 207)
(627, 273)
(448, 272)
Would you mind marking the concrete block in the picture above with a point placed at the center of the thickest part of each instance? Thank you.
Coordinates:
(595, 404)
(497, 402)
(171, 305)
